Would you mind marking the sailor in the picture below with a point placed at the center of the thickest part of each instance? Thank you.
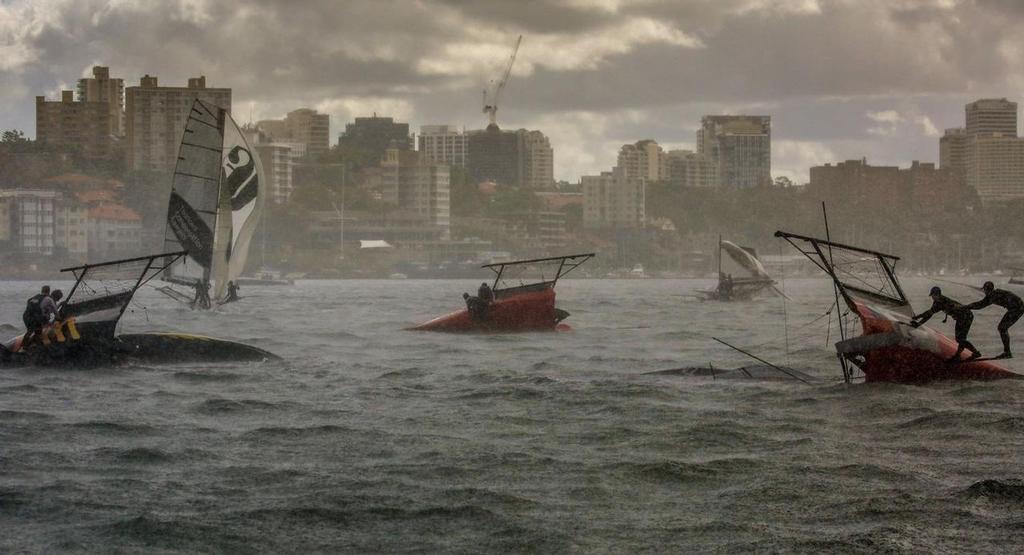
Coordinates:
(232, 292)
(33, 315)
(960, 313)
(725, 287)
(475, 306)
(51, 309)
(485, 293)
(1014, 310)
(202, 299)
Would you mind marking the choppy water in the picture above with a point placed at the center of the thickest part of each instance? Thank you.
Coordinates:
(373, 439)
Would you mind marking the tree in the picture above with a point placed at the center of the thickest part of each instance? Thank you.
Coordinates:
(13, 136)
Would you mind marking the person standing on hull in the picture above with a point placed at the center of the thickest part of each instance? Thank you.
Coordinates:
(1014, 310)
(202, 299)
(961, 315)
(33, 316)
(475, 306)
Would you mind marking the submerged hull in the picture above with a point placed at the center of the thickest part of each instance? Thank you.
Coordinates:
(93, 344)
(525, 311)
(893, 351)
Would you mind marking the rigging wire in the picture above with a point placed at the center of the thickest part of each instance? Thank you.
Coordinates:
(785, 314)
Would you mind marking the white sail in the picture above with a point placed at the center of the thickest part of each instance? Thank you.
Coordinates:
(241, 203)
(216, 201)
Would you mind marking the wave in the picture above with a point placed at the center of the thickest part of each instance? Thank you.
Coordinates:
(1001, 490)
(137, 455)
(677, 471)
(107, 427)
(227, 406)
(947, 420)
(207, 376)
(297, 432)
(24, 415)
(173, 535)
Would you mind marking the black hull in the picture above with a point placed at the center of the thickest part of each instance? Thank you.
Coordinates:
(148, 348)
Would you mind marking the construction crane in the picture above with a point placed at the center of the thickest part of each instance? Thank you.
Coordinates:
(491, 96)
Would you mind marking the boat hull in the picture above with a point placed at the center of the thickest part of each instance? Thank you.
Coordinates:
(917, 355)
(92, 344)
(525, 311)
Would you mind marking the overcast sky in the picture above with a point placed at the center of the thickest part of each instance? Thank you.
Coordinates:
(841, 79)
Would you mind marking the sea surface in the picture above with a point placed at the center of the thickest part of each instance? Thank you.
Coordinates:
(367, 438)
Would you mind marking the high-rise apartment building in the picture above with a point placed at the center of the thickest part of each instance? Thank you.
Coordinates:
(991, 115)
(77, 126)
(644, 159)
(953, 150)
(536, 160)
(613, 201)
(376, 134)
(304, 126)
(686, 168)
(521, 158)
(995, 167)
(444, 144)
(418, 187)
(739, 148)
(102, 88)
(155, 119)
(277, 162)
(493, 155)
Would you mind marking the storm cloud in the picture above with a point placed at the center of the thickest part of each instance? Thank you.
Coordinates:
(841, 78)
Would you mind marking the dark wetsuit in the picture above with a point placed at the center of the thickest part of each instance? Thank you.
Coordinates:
(485, 293)
(960, 313)
(33, 317)
(1014, 310)
(477, 308)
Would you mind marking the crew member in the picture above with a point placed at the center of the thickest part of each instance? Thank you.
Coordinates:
(202, 299)
(1014, 309)
(475, 306)
(232, 292)
(33, 315)
(960, 313)
(725, 287)
(485, 293)
(48, 306)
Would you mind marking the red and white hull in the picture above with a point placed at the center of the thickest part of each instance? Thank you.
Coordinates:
(525, 311)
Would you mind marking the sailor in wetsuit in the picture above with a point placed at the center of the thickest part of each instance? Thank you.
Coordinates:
(475, 306)
(1014, 310)
(485, 293)
(960, 313)
(232, 292)
(33, 316)
(725, 287)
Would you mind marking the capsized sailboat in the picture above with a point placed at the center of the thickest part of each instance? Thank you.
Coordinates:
(524, 299)
(741, 276)
(889, 349)
(85, 331)
(215, 205)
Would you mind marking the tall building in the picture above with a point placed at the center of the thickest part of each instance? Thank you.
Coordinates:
(739, 148)
(277, 162)
(953, 150)
(520, 158)
(536, 160)
(443, 144)
(991, 115)
(987, 152)
(644, 159)
(995, 167)
(375, 135)
(418, 187)
(493, 155)
(101, 88)
(613, 201)
(686, 168)
(304, 126)
(856, 184)
(155, 119)
(79, 126)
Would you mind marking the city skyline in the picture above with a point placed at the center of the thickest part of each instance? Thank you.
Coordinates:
(622, 71)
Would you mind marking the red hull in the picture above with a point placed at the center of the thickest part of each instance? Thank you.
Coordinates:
(526, 311)
(920, 356)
